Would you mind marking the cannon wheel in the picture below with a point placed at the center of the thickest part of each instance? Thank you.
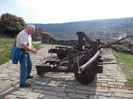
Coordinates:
(85, 77)
(41, 75)
(61, 55)
(40, 72)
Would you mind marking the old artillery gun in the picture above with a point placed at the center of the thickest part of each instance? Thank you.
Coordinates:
(82, 59)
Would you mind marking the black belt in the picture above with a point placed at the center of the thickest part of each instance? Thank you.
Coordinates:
(23, 52)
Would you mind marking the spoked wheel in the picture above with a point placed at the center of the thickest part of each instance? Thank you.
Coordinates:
(41, 74)
(40, 71)
(85, 77)
(61, 55)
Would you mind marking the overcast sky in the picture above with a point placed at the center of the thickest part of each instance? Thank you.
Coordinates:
(59, 11)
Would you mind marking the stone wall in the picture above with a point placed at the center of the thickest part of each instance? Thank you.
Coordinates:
(51, 39)
(37, 35)
(125, 46)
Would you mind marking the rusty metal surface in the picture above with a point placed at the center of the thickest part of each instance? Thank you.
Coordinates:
(85, 77)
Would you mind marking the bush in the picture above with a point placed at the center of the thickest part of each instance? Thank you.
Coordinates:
(11, 25)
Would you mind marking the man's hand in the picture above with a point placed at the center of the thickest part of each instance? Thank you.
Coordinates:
(34, 51)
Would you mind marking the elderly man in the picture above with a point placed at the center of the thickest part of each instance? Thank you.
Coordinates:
(24, 41)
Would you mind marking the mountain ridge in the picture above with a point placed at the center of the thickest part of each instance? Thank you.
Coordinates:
(103, 29)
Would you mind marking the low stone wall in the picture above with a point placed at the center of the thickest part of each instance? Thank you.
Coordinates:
(51, 39)
(126, 47)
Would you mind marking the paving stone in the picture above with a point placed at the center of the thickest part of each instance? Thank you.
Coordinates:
(47, 79)
(103, 97)
(4, 85)
(74, 95)
(69, 98)
(37, 82)
(48, 88)
(81, 87)
(3, 75)
(121, 91)
(115, 98)
(107, 94)
(37, 86)
(14, 79)
(116, 83)
(59, 89)
(32, 95)
(92, 97)
(102, 90)
(23, 89)
(82, 92)
(38, 90)
(10, 96)
(52, 84)
(123, 95)
(50, 92)
(21, 93)
(49, 97)
(122, 80)
(61, 94)
(70, 90)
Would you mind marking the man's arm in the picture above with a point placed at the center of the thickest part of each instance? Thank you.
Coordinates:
(28, 49)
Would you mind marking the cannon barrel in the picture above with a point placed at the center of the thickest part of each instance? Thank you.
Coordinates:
(84, 66)
(73, 56)
(115, 42)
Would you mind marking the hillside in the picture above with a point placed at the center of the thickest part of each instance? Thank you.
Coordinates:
(103, 29)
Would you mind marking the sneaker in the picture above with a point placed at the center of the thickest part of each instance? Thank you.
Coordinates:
(30, 77)
(25, 85)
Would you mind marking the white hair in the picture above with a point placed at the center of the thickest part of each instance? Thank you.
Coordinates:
(30, 26)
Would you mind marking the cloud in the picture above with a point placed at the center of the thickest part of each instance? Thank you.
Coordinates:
(72, 10)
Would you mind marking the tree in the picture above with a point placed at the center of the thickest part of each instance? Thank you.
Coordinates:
(11, 25)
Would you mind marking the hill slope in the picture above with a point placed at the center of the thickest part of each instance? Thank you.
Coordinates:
(103, 29)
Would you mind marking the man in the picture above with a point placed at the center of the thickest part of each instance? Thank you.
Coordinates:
(24, 41)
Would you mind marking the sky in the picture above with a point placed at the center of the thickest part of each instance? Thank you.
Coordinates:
(60, 11)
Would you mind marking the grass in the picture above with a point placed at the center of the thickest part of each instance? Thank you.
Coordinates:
(36, 46)
(6, 45)
(126, 64)
(5, 48)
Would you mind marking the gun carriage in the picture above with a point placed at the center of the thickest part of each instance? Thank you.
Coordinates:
(82, 59)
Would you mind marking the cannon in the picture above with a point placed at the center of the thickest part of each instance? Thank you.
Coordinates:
(82, 59)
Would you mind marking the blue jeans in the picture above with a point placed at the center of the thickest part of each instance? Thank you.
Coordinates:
(25, 68)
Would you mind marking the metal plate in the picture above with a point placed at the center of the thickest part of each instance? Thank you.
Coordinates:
(85, 77)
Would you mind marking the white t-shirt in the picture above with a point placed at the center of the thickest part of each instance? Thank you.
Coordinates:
(24, 38)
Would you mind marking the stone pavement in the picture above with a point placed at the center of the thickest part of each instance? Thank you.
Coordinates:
(108, 85)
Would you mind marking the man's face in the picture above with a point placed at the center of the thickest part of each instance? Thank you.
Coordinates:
(31, 31)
